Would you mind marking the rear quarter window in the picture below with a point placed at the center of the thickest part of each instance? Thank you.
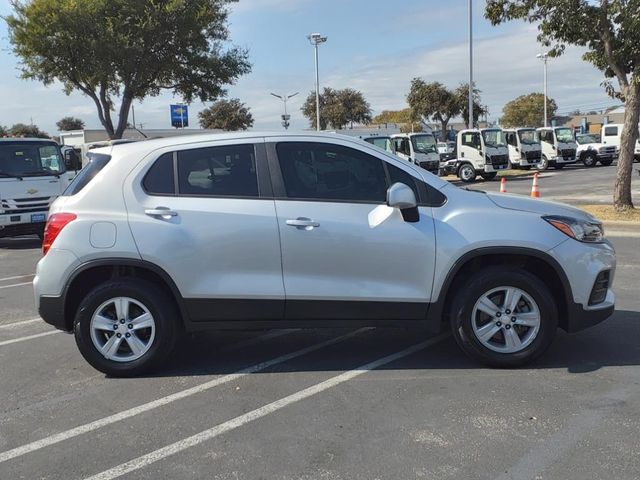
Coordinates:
(97, 162)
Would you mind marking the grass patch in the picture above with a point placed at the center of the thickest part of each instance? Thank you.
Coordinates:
(517, 173)
(607, 213)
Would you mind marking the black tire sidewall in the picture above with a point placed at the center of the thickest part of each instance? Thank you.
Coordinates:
(481, 283)
(164, 314)
(593, 159)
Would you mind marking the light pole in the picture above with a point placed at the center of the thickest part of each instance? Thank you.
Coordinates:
(286, 116)
(316, 39)
(544, 57)
(470, 123)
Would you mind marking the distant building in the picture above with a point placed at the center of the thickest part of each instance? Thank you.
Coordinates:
(592, 123)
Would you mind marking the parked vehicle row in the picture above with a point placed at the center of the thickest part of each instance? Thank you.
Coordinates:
(417, 148)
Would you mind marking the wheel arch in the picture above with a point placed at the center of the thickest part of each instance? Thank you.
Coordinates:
(90, 274)
(534, 261)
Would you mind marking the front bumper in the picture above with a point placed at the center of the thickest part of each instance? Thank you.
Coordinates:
(563, 160)
(579, 318)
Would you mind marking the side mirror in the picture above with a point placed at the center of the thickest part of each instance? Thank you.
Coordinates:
(71, 160)
(400, 196)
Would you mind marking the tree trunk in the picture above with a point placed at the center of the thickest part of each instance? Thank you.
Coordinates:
(622, 188)
(123, 116)
(445, 124)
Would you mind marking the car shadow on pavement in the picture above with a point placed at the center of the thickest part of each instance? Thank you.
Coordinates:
(611, 344)
(20, 243)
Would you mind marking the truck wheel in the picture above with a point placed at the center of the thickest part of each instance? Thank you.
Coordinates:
(606, 163)
(543, 164)
(126, 327)
(504, 317)
(467, 173)
(489, 176)
(590, 160)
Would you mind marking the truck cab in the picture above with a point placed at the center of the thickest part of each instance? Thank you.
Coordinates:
(591, 151)
(559, 147)
(481, 152)
(524, 147)
(32, 174)
(419, 148)
(612, 133)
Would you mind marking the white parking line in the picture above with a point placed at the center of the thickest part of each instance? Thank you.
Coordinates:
(17, 276)
(22, 322)
(29, 337)
(16, 285)
(88, 427)
(161, 453)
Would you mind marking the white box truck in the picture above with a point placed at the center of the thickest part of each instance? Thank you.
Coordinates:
(559, 147)
(611, 134)
(419, 148)
(524, 146)
(481, 152)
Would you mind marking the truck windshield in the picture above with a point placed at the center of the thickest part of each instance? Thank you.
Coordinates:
(564, 135)
(424, 143)
(30, 159)
(494, 138)
(528, 137)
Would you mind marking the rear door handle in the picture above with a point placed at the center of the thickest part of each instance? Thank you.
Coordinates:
(303, 223)
(163, 212)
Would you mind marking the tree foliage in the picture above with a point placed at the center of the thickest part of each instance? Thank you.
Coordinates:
(338, 108)
(127, 50)
(69, 123)
(394, 116)
(229, 115)
(23, 130)
(3, 131)
(608, 29)
(462, 97)
(433, 101)
(527, 111)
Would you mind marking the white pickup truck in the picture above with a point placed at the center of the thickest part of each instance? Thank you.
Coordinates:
(32, 175)
(591, 151)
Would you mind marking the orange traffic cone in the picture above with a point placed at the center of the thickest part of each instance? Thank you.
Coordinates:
(535, 189)
(503, 185)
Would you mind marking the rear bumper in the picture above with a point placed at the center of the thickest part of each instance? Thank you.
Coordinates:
(51, 309)
(14, 230)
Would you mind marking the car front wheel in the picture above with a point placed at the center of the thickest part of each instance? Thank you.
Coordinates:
(504, 317)
(126, 327)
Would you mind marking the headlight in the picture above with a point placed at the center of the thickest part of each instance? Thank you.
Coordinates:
(583, 231)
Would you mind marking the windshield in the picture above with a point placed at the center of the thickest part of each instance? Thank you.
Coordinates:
(23, 159)
(424, 143)
(494, 138)
(564, 135)
(584, 139)
(528, 137)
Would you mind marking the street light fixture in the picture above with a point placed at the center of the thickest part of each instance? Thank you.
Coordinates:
(286, 116)
(316, 39)
(544, 57)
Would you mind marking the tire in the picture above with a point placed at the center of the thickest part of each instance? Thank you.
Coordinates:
(157, 340)
(489, 176)
(467, 173)
(543, 164)
(606, 163)
(467, 319)
(590, 160)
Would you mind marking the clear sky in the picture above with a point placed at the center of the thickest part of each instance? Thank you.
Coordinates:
(375, 46)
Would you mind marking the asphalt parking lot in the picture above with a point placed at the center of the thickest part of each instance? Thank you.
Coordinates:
(325, 404)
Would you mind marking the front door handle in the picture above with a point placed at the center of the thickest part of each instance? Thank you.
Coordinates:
(162, 212)
(303, 223)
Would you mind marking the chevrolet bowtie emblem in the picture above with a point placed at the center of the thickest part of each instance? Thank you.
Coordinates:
(32, 191)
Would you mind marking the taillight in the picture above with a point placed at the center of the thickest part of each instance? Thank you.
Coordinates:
(55, 224)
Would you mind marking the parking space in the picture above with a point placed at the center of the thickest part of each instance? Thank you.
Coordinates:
(322, 404)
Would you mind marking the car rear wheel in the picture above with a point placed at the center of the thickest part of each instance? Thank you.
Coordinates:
(126, 327)
(504, 317)
(467, 173)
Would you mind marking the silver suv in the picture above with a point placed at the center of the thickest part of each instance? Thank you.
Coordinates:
(258, 231)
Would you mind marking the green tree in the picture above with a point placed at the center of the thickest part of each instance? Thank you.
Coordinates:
(3, 131)
(69, 123)
(433, 101)
(402, 118)
(462, 97)
(229, 115)
(527, 111)
(608, 30)
(338, 108)
(23, 130)
(127, 50)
